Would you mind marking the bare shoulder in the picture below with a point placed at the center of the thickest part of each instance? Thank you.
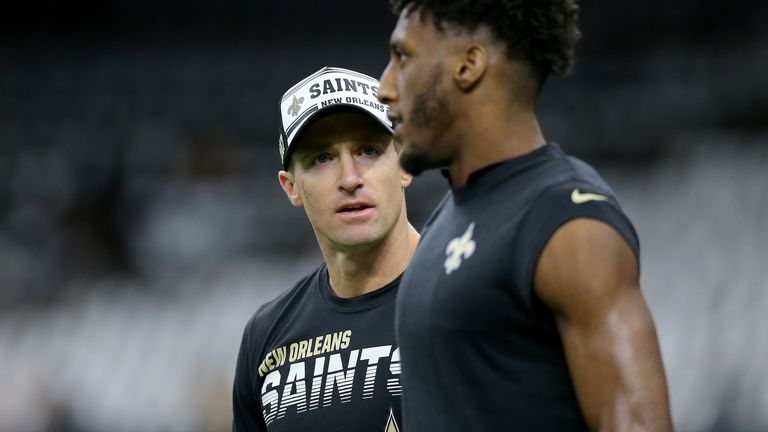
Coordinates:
(584, 266)
(588, 277)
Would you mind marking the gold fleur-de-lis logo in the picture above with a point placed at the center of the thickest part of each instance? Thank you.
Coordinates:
(458, 248)
(391, 423)
(281, 145)
(295, 106)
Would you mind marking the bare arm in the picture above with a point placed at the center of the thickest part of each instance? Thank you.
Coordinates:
(588, 276)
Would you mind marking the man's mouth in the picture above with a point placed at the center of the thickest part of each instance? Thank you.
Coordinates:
(395, 119)
(397, 123)
(353, 208)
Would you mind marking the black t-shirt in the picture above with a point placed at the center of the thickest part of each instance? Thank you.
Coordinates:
(480, 351)
(312, 361)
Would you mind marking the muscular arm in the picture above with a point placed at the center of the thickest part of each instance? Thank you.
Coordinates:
(588, 276)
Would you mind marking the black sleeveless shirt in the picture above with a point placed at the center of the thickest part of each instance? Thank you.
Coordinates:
(480, 351)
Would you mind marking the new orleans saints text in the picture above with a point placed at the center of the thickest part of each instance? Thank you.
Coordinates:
(326, 380)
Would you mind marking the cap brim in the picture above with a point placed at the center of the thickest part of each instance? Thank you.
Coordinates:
(323, 112)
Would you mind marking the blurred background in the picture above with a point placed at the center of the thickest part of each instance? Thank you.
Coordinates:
(141, 222)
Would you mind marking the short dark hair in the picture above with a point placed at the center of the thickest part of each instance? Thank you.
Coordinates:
(544, 32)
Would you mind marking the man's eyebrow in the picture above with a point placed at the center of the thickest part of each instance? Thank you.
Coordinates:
(312, 146)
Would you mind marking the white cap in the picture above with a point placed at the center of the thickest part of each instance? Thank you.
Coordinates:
(330, 87)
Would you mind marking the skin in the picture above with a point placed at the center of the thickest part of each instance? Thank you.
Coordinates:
(344, 159)
(587, 275)
(589, 278)
(459, 70)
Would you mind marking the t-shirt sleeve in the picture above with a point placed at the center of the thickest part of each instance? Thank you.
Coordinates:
(247, 416)
(553, 208)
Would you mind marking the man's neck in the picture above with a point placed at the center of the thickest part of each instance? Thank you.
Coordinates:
(489, 138)
(359, 272)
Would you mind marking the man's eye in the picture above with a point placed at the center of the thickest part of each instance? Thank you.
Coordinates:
(370, 151)
(321, 159)
(398, 54)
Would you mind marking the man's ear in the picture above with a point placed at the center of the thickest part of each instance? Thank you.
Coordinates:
(288, 183)
(473, 63)
(405, 178)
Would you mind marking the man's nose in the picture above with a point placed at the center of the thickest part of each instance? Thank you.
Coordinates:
(350, 177)
(387, 89)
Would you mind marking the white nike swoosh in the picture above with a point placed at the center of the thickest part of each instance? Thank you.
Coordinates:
(581, 198)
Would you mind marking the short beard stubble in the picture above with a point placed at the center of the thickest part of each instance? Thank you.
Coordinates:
(430, 109)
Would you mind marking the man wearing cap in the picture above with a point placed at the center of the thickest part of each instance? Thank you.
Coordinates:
(322, 356)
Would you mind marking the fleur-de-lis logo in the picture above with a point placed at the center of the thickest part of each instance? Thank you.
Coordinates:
(391, 423)
(295, 106)
(458, 248)
(281, 146)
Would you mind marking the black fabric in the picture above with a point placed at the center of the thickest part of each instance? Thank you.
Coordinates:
(480, 352)
(312, 361)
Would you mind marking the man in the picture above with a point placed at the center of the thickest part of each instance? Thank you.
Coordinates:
(322, 356)
(521, 309)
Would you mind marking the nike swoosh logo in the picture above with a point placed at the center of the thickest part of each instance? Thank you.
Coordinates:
(581, 198)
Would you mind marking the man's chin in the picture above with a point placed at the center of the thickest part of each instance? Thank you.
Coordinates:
(357, 241)
(412, 163)
(415, 163)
